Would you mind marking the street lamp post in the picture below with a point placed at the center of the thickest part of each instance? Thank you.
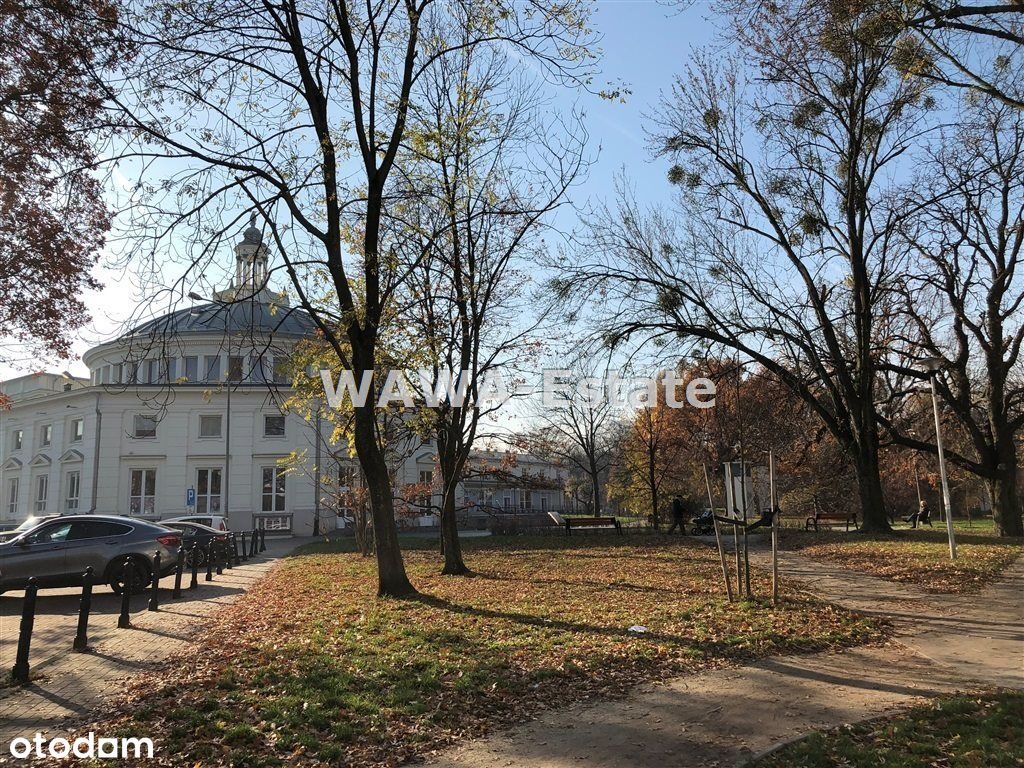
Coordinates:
(932, 365)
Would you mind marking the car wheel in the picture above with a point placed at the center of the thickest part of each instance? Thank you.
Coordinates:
(198, 554)
(141, 575)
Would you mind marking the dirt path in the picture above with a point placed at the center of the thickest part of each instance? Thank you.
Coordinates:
(724, 717)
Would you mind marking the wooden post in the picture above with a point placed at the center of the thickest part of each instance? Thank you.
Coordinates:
(775, 527)
(718, 536)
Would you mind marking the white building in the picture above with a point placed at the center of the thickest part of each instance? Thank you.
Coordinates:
(187, 401)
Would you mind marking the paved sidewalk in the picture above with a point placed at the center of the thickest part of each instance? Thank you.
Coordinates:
(725, 717)
(67, 684)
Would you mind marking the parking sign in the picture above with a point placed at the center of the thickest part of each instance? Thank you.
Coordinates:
(190, 497)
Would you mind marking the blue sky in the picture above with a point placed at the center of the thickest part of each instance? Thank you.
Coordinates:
(645, 44)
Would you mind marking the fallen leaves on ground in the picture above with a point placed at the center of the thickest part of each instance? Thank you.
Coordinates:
(913, 557)
(310, 668)
(979, 731)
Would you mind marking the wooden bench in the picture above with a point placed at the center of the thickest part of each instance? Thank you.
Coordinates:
(831, 518)
(591, 522)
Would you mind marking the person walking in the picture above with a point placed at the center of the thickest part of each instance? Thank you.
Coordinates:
(678, 516)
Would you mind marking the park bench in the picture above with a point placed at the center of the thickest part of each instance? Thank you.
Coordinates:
(591, 522)
(821, 517)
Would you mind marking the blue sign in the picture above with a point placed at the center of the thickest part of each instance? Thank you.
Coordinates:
(190, 497)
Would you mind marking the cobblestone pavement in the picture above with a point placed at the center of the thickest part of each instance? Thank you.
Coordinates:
(67, 684)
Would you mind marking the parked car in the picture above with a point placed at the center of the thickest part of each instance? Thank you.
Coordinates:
(198, 535)
(30, 522)
(58, 550)
(213, 521)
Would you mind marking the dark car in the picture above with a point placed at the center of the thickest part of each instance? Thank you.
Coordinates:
(57, 551)
(196, 538)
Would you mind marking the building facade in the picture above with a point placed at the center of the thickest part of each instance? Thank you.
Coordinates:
(183, 414)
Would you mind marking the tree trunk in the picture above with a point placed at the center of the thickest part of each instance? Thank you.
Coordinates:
(652, 481)
(392, 580)
(1005, 495)
(450, 543)
(869, 488)
(596, 483)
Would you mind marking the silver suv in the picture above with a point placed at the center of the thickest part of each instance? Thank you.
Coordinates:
(58, 550)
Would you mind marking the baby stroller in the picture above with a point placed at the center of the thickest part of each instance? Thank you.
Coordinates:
(703, 524)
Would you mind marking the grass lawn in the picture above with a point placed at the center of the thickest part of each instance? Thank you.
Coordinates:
(309, 666)
(961, 732)
(919, 557)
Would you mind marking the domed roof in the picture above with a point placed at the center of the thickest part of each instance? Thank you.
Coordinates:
(241, 318)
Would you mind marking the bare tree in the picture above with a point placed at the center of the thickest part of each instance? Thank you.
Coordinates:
(496, 166)
(964, 302)
(783, 247)
(577, 428)
(298, 112)
(976, 45)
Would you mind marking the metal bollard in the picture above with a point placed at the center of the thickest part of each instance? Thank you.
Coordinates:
(178, 573)
(195, 566)
(28, 619)
(263, 539)
(154, 595)
(245, 546)
(209, 560)
(124, 621)
(234, 558)
(255, 545)
(222, 551)
(84, 605)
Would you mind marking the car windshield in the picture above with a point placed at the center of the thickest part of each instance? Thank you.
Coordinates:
(31, 522)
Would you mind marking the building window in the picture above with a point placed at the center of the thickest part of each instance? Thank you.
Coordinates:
(210, 426)
(234, 368)
(46, 434)
(423, 502)
(12, 497)
(208, 492)
(506, 503)
(191, 369)
(168, 368)
(142, 492)
(543, 503)
(74, 490)
(273, 489)
(77, 430)
(17, 439)
(211, 364)
(118, 374)
(42, 490)
(145, 426)
(282, 371)
(150, 371)
(259, 367)
(273, 426)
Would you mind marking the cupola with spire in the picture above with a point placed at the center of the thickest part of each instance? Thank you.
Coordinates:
(251, 271)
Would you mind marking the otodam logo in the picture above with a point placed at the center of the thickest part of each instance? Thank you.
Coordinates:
(87, 747)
